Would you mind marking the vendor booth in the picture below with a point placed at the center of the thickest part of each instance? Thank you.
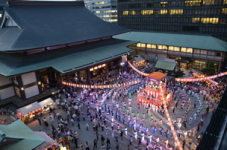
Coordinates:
(28, 112)
(49, 142)
(47, 104)
(139, 61)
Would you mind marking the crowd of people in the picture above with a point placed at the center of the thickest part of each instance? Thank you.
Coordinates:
(113, 115)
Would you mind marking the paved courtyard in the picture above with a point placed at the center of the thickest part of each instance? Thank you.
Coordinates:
(144, 127)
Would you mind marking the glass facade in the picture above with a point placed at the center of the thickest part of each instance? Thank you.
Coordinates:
(207, 17)
(106, 9)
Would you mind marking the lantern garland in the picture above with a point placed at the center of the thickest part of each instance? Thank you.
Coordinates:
(201, 79)
(134, 68)
(199, 75)
(101, 86)
(178, 144)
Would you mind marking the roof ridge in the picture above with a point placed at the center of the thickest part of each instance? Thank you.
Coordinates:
(35, 3)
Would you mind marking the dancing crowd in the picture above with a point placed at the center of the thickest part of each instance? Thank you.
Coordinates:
(114, 115)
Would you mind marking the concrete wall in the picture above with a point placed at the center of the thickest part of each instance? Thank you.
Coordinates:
(31, 91)
(28, 78)
(7, 92)
(4, 80)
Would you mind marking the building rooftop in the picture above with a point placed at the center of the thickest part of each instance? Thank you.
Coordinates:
(31, 25)
(166, 65)
(18, 131)
(157, 75)
(181, 40)
(65, 59)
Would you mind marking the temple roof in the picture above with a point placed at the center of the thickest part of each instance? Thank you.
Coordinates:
(173, 39)
(65, 59)
(32, 25)
(20, 136)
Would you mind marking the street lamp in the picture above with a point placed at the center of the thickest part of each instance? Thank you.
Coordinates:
(122, 64)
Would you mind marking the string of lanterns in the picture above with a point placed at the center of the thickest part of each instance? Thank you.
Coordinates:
(134, 68)
(101, 86)
(199, 75)
(201, 79)
(179, 146)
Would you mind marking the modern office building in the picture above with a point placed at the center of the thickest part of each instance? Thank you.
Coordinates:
(2, 3)
(191, 51)
(215, 135)
(104, 9)
(39, 50)
(206, 17)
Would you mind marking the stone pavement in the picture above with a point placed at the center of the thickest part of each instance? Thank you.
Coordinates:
(89, 136)
(7, 119)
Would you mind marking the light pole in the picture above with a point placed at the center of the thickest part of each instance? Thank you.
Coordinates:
(122, 66)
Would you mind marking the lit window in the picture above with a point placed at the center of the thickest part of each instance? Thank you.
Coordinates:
(224, 1)
(224, 11)
(110, 20)
(141, 45)
(171, 48)
(125, 13)
(183, 49)
(176, 48)
(208, 2)
(101, 3)
(176, 11)
(193, 3)
(160, 46)
(163, 4)
(163, 12)
(209, 20)
(195, 20)
(153, 46)
(164, 47)
(97, 12)
(107, 16)
(189, 50)
(148, 45)
(133, 12)
(147, 12)
(110, 11)
(186, 50)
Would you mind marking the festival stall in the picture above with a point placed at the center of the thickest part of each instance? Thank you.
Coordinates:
(47, 104)
(139, 61)
(28, 112)
(49, 142)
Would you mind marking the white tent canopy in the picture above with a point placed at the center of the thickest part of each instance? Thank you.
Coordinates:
(46, 102)
(48, 141)
(138, 58)
(29, 108)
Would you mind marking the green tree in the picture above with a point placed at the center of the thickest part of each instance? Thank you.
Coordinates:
(179, 73)
(210, 68)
